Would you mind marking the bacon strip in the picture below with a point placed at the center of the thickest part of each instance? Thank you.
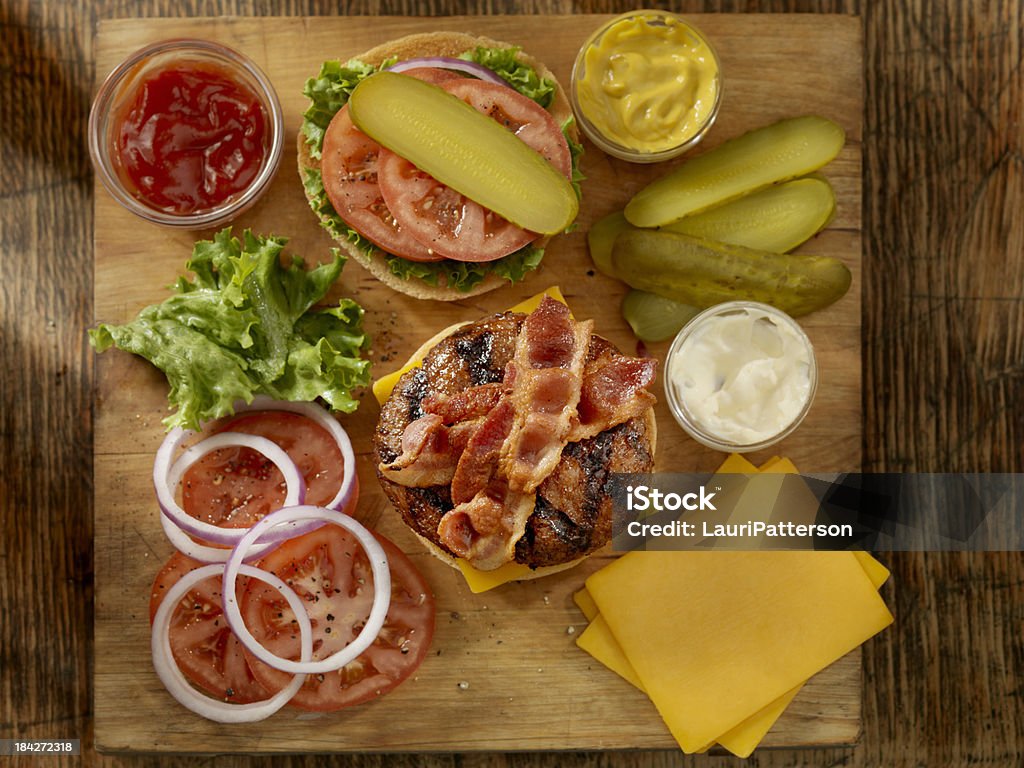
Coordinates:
(614, 391)
(521, 441)
(548, 376)
(430, 450)
(478, 462)
(485, 529)
(467, 404)
(426, 455)
(496, 443)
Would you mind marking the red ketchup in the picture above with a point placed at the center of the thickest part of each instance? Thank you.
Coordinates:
(192, 137)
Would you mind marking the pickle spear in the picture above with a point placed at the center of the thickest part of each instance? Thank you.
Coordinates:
(784, 150)
(653, 317)
(704, 272)
(464, 149)
(601, 237)
(776, 219)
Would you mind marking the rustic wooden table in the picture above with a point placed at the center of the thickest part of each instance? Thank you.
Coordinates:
(943, 333)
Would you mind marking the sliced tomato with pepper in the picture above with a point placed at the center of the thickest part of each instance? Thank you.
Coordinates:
(204, 647)
(523, 116)
(236, 487)
(330, 571)
(445, 220)
(349, 168)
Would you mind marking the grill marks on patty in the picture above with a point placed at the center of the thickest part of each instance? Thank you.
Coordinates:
(478, 354)
(414, 392)
(572, 515)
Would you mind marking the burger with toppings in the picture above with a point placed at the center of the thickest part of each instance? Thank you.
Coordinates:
(499, 447)
(416, 234)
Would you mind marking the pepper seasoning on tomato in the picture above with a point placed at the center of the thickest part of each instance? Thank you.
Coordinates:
(236, 487)
(330, 572)
(204, 647)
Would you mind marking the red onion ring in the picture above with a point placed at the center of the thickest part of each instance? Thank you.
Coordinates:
(178, 686)
(349, 482)
(204, 554)
(446, 62)
(381, 589)
(167, 479)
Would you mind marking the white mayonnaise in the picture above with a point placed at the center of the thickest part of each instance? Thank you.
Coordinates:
(740, 375)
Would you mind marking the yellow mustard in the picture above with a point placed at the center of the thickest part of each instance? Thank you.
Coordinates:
(649, 83)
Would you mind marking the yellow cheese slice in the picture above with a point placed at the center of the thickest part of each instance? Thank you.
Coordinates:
(877, 572)
(736, 464)
(599, 642)
(779, 466)
(743, 738)
(734, 630)
(481, 581)
(585, 603)
(528, 305)
(383, 386)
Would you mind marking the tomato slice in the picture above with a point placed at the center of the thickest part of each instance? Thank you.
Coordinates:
(236, 487)
(523, 116)
(349, 167)
(205, 648)
(330, 571)
(447, 221)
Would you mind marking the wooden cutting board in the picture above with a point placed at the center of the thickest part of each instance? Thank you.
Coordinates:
(529, 687)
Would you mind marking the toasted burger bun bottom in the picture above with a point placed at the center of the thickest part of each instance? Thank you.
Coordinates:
(414, 46)
(572, 516)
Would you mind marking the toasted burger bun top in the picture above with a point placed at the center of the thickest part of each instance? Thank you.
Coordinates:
(572, 515)
(435, 44)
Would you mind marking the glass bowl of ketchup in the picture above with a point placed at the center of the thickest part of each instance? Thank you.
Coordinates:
(186, 133)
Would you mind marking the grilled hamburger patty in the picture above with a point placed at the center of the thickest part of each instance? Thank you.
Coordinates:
(572, 517)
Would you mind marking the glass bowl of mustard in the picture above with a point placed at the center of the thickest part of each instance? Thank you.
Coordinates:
(740, 376)
(646, 86)
(186, 133)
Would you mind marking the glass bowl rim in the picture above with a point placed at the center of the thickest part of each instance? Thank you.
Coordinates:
(682, 414)
(235, 61)
(613, 148)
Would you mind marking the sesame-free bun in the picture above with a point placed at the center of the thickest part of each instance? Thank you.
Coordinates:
(434, 44)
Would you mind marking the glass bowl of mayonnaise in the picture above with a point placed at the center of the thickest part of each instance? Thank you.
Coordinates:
(740, 376)
(646, 86)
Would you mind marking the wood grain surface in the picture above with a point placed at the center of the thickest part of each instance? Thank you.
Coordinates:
(520, 629)
(944, 188)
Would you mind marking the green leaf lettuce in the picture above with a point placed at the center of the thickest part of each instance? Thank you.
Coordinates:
(245, 325)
